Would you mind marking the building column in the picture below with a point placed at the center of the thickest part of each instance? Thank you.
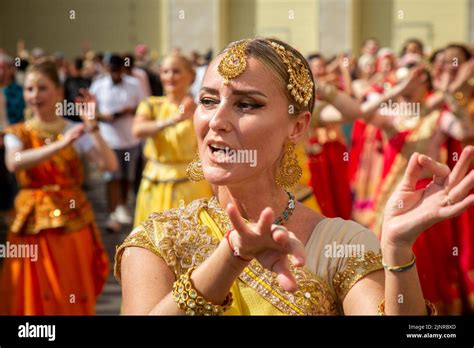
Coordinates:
(336, 26)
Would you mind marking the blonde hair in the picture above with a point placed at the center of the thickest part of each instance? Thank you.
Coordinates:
(46, 67)
(188, 64)
(261, 49)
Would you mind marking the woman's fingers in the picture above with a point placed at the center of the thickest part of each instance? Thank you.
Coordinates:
(439, 171)
(265, 221)
(237, 221)
(284, 275)
(290, 245)
(296, 252)
(412, 173)
(462, 189)
(461, 168)
(457, 208)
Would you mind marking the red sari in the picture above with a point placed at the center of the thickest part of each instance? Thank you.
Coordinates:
(464, 224)
(329, 164)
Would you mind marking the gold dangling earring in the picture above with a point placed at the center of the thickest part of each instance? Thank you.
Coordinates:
(194, 170)
(289, 172)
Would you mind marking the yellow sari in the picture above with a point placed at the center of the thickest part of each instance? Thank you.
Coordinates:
(164, 183)
(186, 236)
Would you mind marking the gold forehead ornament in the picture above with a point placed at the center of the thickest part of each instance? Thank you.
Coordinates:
(300, 84)
(234, 62)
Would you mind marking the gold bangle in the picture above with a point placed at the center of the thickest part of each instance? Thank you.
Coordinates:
(401, 268)
(188, 299)
(430, 308)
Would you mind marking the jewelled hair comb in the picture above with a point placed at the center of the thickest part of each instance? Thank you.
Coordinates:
(300, 84)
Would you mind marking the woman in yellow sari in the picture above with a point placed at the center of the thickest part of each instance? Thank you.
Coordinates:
(166, 123)
(231, 254)
(65, 266)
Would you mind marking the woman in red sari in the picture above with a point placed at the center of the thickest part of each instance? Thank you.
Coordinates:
(65, 266)
(327, 150)
(366, 157)
(421, 129)
(462, 101)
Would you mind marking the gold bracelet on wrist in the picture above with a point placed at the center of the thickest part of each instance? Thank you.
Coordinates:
(401, 268)
(430, 308)
(188, 299)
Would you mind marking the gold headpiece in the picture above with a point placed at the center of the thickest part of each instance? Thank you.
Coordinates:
(300, 84)
(234, 62)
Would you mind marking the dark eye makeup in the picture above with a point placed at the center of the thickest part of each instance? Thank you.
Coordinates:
(243, 105)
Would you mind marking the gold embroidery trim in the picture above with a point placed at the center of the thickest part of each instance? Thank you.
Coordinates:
(357, 267)
(313, 296)
(139, 239)
(179, 237)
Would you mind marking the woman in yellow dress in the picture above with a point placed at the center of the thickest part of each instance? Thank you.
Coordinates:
(166, 123)
(251, 249)
(65, 265)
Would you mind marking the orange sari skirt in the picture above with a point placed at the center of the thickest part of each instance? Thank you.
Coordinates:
(66, 279)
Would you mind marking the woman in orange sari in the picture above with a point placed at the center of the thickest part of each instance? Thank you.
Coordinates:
(231, 254)
(56, 263)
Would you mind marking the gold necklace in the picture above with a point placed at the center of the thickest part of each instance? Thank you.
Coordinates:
(283, 218)
(47, 130)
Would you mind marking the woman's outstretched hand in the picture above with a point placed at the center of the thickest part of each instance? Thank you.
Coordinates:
(273, 246)
(88, 103)
(410, 211)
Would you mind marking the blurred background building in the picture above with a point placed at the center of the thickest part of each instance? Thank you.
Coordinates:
(328, 26)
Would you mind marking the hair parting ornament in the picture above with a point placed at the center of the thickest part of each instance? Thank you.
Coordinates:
(234, 62)
(299, 84)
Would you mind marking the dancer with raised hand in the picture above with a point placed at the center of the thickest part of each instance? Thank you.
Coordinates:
(411, 121)
(67, 264)
(252, 249)
(166, 124)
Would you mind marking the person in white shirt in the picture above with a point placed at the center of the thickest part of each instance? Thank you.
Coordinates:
(118, 96)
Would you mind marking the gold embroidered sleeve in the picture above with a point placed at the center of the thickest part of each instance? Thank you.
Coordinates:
(357, 267)
(138, 239)
(175, 235)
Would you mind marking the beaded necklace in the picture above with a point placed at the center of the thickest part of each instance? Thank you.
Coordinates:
(285, 216)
